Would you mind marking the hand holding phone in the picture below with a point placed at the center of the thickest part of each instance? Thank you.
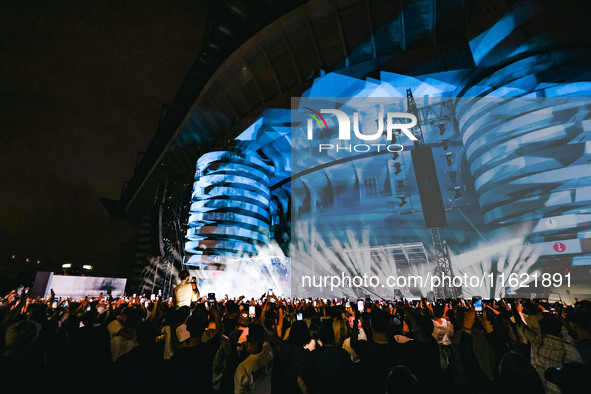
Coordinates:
(478, 306)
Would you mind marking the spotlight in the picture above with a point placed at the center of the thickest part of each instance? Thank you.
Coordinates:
(458, 194)
(441, 128)
(453, 176)
(398, 170)
(445, 144)
(395, 155)
(402, 201)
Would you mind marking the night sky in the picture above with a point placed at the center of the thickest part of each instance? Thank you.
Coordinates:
(81, 88)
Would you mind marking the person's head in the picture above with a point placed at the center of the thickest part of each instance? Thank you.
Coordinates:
(172, 316)
(424, 325)
(184, 275)
(581, 323)
(299, 334)
(571, 378)
(531, 308)
(583, 306)
(196, 324)
(550, 326)
(38, 313)
(182, 313)
(270, 318)
(309, 313)
(20, 339)
(339, 328)
(314, 329)
(232, 309)
(134, 316)
(438, 310)
(256, 338)
(244, 320)
(326, 334)
(517, 376)
(379, 321)
(401, 380)
(90, 317)
(146, 333)
(123, 314)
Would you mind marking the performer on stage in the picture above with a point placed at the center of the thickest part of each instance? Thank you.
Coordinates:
(183, 292)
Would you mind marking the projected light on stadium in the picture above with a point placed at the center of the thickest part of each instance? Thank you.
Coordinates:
(512, 166)
(230, 206)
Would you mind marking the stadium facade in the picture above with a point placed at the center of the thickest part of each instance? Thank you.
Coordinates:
(233, 191)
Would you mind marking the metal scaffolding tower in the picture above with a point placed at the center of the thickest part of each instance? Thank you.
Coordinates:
(412, 108)
(444, 269)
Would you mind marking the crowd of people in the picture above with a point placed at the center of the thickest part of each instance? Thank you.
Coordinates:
(276, 345)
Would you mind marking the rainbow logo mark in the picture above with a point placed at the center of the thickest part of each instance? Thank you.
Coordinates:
(315, 115)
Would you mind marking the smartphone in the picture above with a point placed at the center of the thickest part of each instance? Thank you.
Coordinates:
(88, 308)
(314, 303)
(211, 299)
(360, 306)
(153, 297)
(54, 304)
(477, 303)
(347, 304)
(251, 311)
(270, 291)
(65, 303)
(299, 316)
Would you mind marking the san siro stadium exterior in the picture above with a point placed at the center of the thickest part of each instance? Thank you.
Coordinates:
(499, 90)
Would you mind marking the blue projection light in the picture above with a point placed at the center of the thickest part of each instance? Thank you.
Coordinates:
(229, 213)
(511, 162)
